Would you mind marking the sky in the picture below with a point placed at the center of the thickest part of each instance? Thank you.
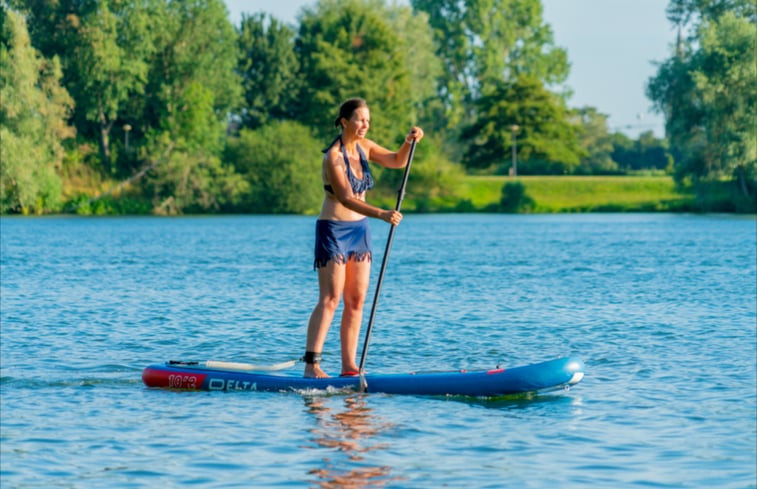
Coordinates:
(612, 46)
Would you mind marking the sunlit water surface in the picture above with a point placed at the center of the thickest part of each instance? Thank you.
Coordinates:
(662, 309)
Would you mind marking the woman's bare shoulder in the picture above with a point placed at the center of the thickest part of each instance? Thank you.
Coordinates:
(368, 144)
(333, 157)
(374, 151)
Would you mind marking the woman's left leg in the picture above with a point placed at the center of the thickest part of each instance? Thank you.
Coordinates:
(357, 279)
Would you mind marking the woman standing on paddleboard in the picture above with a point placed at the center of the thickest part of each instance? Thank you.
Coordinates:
(342, 235)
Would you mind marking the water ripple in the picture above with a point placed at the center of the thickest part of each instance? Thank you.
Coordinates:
(661, 308)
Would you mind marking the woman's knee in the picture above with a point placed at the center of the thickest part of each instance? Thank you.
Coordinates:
(329, 303)
(354, 302)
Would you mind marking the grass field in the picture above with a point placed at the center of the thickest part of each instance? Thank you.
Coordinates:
(546, 194)
(529, 194)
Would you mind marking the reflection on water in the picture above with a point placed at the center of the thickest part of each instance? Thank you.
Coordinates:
(347, 430)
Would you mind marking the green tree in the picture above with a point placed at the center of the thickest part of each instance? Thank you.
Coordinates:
(111, 63)
(483, 42)
(193, 182)
(280, 180)
(191, 90)
(189, 175)
(104, 47)
(547, 141)
(682, 12)
(653, 151)
(707, 93)
(33, 124)
(596, 142)
(348, 48)
(453, 46)
(269, 70)
(645, 153)
(423, 65)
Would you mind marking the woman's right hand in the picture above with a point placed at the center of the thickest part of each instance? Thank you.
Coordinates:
(391, 216)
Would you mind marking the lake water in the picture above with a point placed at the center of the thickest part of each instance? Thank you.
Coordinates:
(661, 308)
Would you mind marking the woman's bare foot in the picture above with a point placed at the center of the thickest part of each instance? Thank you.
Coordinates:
(350, 371)
(313, 371)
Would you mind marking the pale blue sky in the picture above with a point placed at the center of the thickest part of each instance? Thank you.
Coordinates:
(611, 45)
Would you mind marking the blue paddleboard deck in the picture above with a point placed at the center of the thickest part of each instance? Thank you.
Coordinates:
(544, 376)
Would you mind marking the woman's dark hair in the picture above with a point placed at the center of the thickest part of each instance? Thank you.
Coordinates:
(348, 108)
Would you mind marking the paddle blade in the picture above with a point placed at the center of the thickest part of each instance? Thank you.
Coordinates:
(248, 367)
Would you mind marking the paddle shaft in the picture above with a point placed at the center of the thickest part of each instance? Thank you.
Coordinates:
(385, 259)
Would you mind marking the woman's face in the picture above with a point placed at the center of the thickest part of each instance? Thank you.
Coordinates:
(359, 123)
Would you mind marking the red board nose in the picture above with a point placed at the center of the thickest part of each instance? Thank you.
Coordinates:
(153, 377)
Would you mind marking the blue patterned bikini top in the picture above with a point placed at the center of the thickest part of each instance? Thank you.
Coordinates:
(358, 185)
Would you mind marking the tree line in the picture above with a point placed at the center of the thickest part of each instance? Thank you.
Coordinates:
(707, 91)
(193, 114)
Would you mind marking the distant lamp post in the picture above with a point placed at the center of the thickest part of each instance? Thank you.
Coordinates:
(127, 128)
(514, 169)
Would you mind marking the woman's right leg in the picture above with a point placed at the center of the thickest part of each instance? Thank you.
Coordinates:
(330, 288)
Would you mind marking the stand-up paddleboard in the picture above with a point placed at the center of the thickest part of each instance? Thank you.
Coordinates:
(219, 376)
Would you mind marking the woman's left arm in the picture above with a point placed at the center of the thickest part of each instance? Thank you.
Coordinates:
(397, 159)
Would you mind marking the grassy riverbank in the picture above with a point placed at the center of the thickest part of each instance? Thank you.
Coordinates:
(554, 194)
(581, 194)
(530, 194)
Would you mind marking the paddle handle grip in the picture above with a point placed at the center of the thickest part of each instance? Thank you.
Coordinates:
(405, 175)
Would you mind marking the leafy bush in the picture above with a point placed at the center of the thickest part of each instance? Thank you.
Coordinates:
(433, 178)
(281, 162)
(514, 198)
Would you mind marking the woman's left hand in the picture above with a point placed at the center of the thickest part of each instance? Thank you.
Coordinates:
(415, 134)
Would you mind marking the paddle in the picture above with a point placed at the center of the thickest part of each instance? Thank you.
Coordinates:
(400, 198)
(242, 367)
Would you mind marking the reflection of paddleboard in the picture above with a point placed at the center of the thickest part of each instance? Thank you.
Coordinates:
(543, 376)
